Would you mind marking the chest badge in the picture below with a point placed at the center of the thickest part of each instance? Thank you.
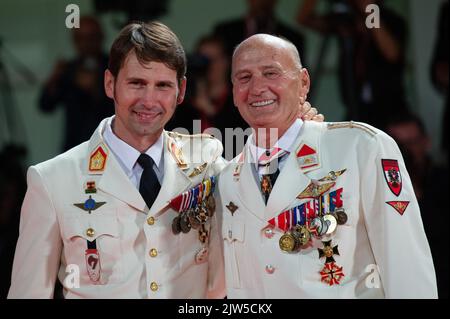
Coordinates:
(89, 205)
(232, 207)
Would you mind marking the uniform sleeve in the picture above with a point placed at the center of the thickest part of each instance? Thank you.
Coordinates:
(396, 236)
(38, 250)
(216, 267)
(216, 272)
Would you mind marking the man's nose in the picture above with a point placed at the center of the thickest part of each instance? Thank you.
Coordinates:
(148, 96)
(257, 85)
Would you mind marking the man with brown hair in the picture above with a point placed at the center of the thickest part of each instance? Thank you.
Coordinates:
(99, 214)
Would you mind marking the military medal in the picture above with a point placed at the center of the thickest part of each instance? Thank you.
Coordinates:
(266, 185)
(89, 205)
(288, 242)
(331, 274)
(341, 216)
(195, 207)
(93, 266)
(185, 226)
(332, 223)
(203, 215)
(318, 227)
(176, 228)
(327, 251)
(303, 235)
(195, 223)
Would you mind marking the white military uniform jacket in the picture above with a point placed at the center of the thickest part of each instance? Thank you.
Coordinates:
(54, 232)
(382, 252)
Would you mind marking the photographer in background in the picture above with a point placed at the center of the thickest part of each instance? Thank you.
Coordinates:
(78, 85)
(371, 60)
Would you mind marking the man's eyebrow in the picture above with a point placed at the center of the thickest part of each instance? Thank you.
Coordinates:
(168, 82)
(240, 72)
(135, 79)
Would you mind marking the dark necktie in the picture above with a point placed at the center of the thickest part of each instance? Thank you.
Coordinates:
(149, 185)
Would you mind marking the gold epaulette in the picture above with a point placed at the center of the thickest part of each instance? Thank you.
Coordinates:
(352, 124)
(179, 135)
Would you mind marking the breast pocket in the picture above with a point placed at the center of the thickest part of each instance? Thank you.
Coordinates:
(234, 235)
(89, 232)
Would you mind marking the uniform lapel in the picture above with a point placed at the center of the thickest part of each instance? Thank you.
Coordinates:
(292, 180)
(113, 179)
(116, 183)
(175, 180)
(248, 189)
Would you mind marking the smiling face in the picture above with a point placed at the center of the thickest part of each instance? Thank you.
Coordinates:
(268, 82)
(145, 97)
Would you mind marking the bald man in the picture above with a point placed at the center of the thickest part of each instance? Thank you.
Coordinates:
(314, 210)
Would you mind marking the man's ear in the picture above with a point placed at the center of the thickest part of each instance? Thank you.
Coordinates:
(181, 90)
(109, 84)
(304, 83)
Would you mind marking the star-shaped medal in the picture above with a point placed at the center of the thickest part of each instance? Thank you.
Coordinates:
(331, 274)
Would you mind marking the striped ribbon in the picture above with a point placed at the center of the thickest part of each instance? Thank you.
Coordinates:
(302, 214)
(192, 197)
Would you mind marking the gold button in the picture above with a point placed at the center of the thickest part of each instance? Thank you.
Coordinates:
(154, 286)
(90, 232)
(151, 220)
(153, 252)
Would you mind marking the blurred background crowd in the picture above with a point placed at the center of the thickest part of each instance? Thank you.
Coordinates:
(394, 77)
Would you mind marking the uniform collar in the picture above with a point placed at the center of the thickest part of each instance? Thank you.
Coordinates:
(125, 153)
(286, 141)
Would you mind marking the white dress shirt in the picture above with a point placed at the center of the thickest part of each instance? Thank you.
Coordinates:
(127, 155)
(285, 143)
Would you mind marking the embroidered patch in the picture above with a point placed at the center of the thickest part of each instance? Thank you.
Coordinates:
(307, 157)
(392, 175)
(97, 161)
(399, 206)
(93, 264)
